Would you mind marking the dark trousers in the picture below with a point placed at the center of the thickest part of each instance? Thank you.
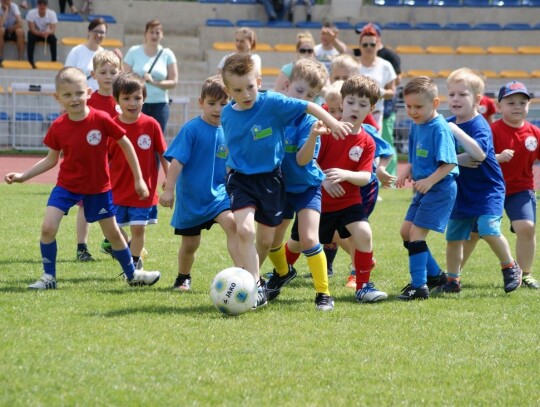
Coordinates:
(32, 39)
(62, 4)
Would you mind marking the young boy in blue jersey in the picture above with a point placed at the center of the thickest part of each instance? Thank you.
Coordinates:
(432, 169)
(254, 125)
(480, 186)
(197, 173)
(303, 179)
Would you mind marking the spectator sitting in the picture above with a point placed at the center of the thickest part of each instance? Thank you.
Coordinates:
(330, 46)
(11, 28)
(305, 45)
(41, 27)
(276, 9)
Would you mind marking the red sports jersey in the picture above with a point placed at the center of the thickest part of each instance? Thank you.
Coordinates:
(355, 153)
(369, 119)
(105, 103)
(517, 172)
(147, 139)
(84, 168)
(487, 107)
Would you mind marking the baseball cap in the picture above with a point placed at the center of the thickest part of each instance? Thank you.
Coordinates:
(369, 26)
(511, 88)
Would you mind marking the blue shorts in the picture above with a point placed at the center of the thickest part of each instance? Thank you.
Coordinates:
(369, 194)
(265, 192)
(130, 216)
(521, 206)
(96, 206)
(486, 225)
(309, 199)
(338, 220)
(432, 210)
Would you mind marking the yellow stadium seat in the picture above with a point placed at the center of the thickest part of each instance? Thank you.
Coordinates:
(49, 65)
(421, 72)
(440, 49)
(270, 71)
(490, 74)
(264, 47)
(470, 49)
(10, 64)
(501, 49)
(535, 74)
(224, 46)
(528, 49)
(409, 49)
(112, 43)
(107, 42)
(514, 74)
(285, 47)
(445, 73)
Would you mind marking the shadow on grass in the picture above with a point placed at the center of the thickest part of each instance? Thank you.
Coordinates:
(199, 309)
(34, 260)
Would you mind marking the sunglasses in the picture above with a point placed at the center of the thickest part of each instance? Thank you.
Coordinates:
(99, 32)
(369, 44)
(305, 51)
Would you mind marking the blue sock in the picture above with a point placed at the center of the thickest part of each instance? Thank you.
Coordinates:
(432, 266)
(418, 258)
(126, 261)
(48, 257)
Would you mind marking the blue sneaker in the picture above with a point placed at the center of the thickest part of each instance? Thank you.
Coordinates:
(368, 293)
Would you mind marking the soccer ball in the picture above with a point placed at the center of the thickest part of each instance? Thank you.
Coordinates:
(233, 291)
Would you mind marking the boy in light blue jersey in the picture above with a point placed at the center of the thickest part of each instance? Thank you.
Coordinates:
(197, 173)
(254, 125)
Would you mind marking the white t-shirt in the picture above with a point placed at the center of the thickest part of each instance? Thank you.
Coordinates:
(255, 57)
(12, 15)
(382, 73)
(81, 57)
(42, 23)
(325, 56)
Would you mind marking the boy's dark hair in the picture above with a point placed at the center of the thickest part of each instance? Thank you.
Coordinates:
(313, 72)
(128, 83)
(362, 86)
(421, 85)
(237, 64)
(213, 87)
(95, 22)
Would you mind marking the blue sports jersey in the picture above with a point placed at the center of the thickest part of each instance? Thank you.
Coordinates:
(299, 178)
(480, 190)
(200, 188)
(256, 137)
(430, 145)
(382, 148)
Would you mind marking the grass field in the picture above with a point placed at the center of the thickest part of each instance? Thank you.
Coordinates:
(96, 341)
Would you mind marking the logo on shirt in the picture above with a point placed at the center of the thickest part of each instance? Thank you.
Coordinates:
(144, 142)
(259, 133)
(93, 137)
(118, 109)
(531, 143)
(290, 147)
(355, 153)
(222, 151)
(421, 152)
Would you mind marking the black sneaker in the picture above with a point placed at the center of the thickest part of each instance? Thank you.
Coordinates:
(182, 283)
(84, 255)
(410, 293)
(512, 278)
(450, 287)
(262, 296)
(436, 281)
(530, 282)
(324, 302)
(275, 283)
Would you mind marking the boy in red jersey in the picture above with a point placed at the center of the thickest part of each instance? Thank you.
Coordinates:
(82, 134)
(347, 165)
(145, 134)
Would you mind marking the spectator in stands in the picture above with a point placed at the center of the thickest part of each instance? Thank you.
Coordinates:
(330, 46)
(157, 65)
(245, 40)
(41, 27)
(277, 9)
(81, 56)
(62, 4)
(305, 48)
(11, 28)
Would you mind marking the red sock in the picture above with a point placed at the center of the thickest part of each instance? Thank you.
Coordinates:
(291, 257)
(362, 264)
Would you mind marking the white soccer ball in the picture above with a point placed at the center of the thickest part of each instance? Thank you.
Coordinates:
(233, 291)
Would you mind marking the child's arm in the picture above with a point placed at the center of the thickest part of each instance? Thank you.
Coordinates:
(338, 129)
(305, 155)
(133, 161)
(424, 185)
(469, 144)
(165, 166)
(38, 168)
(337, 175)
(167, 197)
(404, 176)
(505, 156)
(384, 176)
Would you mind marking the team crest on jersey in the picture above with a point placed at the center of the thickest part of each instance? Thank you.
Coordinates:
(144, 142)
(259, 133)
(93, 137)
(222, 151)
(421, 152)
(531, 143)
(118, 109)
(290, 147)
(355, 153)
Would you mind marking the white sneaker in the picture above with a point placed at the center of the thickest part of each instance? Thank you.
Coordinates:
(46, 282)
(142, 277)
(369, 293)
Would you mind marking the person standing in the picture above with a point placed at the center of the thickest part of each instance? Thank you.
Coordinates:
(11, 28)
(41, 27)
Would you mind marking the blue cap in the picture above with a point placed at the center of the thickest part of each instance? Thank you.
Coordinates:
(511, 88)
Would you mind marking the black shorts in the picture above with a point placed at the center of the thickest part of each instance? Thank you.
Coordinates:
(195, 230)
(10, 36)
(337, 220)
(265, 192)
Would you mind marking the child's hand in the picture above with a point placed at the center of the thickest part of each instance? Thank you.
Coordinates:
(13, 177)
(422, 186)
(505, 156)
(465, 160)
(335, 175)
(319, 128)
(167, 199)
(385, 177)
(403, 177)
(335, 190)
(141, 189)
(340, 130)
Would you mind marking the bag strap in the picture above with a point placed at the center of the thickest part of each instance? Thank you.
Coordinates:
(155, 60)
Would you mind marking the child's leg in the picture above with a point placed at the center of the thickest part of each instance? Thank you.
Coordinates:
(49, 229)
(186, 254)
(468, 247)
(226, 220)
(292, 251)
(454, 259)
(245, 231)
(308, 230)
(361, 238)
(138, 233)
(525, 244)
(121, 251)
(277, 251)
(418, 256)
(263, 241)
(83, 227)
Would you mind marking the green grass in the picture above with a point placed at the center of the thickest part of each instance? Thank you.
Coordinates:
(96, 341)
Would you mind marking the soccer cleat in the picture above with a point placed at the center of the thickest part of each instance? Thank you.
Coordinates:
(142, 277)
(530, 282)
(106, 248)
(368, 293)
(324, 302)
(410, 293)
(84, 255)
(450, 287)
(262, 295)
(275, 283)
(351, 281)
(436, 281)
(46, 282)
(511, 277)
(182, 283)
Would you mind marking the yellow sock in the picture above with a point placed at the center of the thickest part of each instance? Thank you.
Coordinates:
(278, 259)
(317, 265)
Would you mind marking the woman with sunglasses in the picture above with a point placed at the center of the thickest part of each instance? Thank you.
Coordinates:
(305, 48)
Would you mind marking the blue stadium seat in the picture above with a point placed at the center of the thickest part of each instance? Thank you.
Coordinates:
(507, 3)
(397, 26)
(309, 24)
(51, 117)
(487, 26)
(535, 122)
(418, 3)
(390, 3)
(243, 1)
(74, 18)
(458, 26)
(531, 3)
(447, 3)
(250, 23)
(219, 22)
(343, 25)
(213, 1)
(108, 18)
(476, 3)
(279, 24)
(4, 117)
(428, 26)
(517, 26)
(28, 117)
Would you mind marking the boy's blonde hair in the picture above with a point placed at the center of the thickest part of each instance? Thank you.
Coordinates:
(249, 34)
(334, 92)
(345, 61)
(313, 72)
(361, 86)
(471, 79)
(213, 87)
(423, 85)
(240, 64)
(302, 37)
(68, 75)
(128, 83)
(106, 57)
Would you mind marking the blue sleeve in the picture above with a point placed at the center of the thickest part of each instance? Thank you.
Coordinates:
(181, 146)
(382, 147)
